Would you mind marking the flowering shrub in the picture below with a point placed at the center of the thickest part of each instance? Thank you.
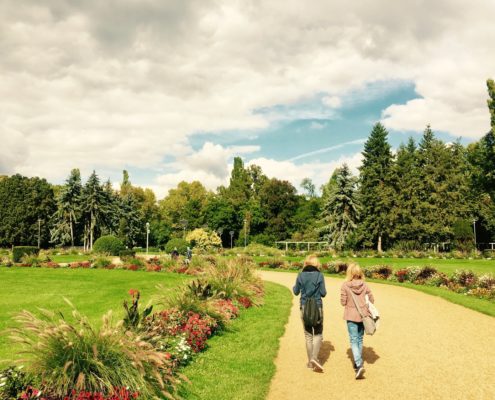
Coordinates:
(464, 278)
(245, 302)
(153, 268)
(486, 281)
(50, 264)
(198, 329)
(401, 274)
(12, 382)
(482, 293)
(132, 267)
(118, 394)
(437, 279)
(227, 308)
(378, 272)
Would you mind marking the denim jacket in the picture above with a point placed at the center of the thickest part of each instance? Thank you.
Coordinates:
(309, 281)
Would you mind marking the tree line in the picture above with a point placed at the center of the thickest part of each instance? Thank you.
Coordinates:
(424, 192)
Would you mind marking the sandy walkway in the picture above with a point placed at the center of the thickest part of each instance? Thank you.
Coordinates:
(427, 348)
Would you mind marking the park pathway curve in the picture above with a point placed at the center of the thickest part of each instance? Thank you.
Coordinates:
(426, 348)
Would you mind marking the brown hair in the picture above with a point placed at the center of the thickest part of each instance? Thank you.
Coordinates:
(354, 272)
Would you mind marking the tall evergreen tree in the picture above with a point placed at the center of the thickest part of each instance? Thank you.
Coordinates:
(375, 190)
(95, 207)
(68, 210)
(341, 210)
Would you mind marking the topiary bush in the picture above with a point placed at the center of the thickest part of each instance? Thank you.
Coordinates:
(20, 251)
(108, 245)
(181, 245)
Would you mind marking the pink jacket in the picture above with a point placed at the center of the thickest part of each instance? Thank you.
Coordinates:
(360, 289)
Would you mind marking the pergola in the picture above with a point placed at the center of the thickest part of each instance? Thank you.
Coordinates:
(287, 243)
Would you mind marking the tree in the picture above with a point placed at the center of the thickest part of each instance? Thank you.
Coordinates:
(26, 207)
(97, 205)
(68, 210)
(375, 191)
(278, 200)
(341, 210)
(310, 188)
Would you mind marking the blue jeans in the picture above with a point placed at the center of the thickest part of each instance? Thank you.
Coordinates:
(356, 332)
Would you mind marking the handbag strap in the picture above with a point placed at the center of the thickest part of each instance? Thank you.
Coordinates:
(356, 304)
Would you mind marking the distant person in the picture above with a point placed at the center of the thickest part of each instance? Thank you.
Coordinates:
(355, 284)
(174, 254)
(310, 283)
(188, 255)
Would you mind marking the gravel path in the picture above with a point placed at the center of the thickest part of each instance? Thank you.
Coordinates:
(426, 348)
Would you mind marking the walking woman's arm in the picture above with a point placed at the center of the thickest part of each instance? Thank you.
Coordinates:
(297, 288)
(323, 289)
(343, 296)
(370, 294)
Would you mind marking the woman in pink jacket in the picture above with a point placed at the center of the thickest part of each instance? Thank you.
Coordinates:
(355, 284)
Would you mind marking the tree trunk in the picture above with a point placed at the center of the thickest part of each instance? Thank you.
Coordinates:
(379, 248)
(91, 232)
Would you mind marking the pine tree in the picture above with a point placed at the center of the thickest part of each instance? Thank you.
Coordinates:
(68, 210)
(95, 206)
(406, 183)
(341, 210)
(375, 191)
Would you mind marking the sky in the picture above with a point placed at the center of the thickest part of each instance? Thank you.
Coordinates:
(174, 90)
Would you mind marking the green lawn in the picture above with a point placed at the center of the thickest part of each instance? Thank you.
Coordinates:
(67, 258)
(93, 292)
(239, 364)
(445, 265)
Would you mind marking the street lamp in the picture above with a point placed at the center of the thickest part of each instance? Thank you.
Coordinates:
(245, 230)
(231, 236)
(39, 233)
(474, 230)
(184, 225)
(147, 236)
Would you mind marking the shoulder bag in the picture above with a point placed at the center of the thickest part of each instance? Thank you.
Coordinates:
(368, 322)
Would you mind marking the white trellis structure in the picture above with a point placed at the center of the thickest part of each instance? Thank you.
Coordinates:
(307, 245)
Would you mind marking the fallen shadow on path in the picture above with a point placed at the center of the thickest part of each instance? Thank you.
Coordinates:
(369, 355)
(325, 350)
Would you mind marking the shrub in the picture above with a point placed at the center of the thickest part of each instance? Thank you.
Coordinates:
(378, 272)
(401, 275)
(31, 261)
(197, 330)
(127, 253)
(425, 273)
(465, 278)
(102, 262)
(109, 245)
(204, 240)
(13, 381)
(20, 251)
(178, 243)
(486, 281)
(76, 355)
(437, 279)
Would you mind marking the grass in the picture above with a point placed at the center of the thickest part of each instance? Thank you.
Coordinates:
(239, 364)
(444, 265)
(67, 258)
(93, 292)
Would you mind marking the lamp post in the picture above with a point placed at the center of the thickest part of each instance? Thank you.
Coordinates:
(474, 230)
(231, 237)
(39, 233)
(147, 236)
(184, 225)
(245, 232)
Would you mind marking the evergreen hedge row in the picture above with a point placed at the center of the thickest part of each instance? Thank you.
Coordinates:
(20, 251)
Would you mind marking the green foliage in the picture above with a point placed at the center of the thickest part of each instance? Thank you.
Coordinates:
(178, 243)
(20, 251)
(341, 209)
(24, 201)
(109, 245)
(375, 192)
(76, 355)
(13, 381)
(133, 318)
(204, 239)
(127, 253)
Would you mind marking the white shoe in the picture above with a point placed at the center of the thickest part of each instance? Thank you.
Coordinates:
(359, 372)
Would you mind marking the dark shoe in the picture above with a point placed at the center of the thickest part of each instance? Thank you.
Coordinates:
(317, 366)
(354, 366)
(359, 372)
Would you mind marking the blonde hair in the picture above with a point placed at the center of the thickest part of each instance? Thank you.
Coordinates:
(312, 260)
(354, 272)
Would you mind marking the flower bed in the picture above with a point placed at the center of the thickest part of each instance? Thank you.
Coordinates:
(139, 357)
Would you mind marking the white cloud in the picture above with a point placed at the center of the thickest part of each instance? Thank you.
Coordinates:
(319, 172)
(105, 85)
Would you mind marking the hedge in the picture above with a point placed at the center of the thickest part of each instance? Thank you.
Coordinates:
(108, 245)
(19, 251)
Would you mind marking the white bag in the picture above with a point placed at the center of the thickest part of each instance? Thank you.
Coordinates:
(373, 310)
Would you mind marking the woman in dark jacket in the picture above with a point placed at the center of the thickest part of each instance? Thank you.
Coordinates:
(311, 283)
